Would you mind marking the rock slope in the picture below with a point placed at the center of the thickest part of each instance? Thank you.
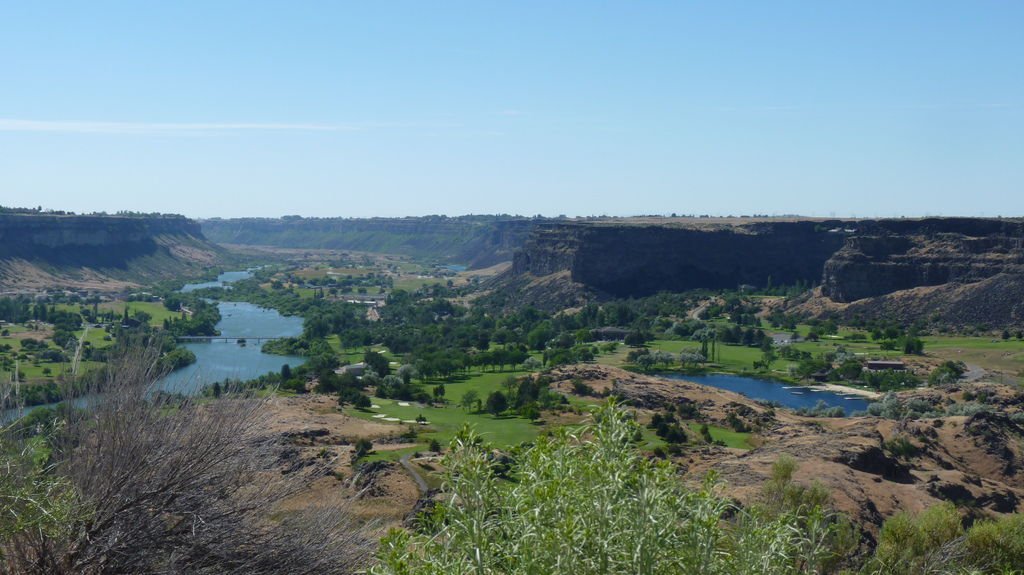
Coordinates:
(42, 251)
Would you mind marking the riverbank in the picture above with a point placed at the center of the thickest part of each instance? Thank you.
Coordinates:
(836, 388)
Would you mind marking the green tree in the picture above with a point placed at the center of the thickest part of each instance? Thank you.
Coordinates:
(497, 403)
(377, 362)
(470, 400)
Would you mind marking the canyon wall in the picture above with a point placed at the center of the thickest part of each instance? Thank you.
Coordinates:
(38, 251)
(638, 259)
(951, 270)
(475, 241)
(893, 255)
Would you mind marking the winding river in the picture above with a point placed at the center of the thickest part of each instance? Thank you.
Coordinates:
(220, 360)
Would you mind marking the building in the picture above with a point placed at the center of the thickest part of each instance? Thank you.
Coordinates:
(609, 333)
(356, 369)
(886, 365)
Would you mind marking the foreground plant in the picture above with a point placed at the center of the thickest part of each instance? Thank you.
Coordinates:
(585, 501)
(149, 483)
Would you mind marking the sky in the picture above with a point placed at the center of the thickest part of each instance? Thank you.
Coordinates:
(224, 109)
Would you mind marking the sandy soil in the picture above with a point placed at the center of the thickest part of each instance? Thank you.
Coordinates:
(317, 434)
(845, 389)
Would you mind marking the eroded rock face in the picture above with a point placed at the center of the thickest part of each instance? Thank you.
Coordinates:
(76, 238)
(884, 258)
(957, 271)
(43, 251)
(637, 260)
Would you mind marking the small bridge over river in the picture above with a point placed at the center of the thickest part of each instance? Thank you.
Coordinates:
(225, 339)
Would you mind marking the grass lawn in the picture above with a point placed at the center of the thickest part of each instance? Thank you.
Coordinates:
(411, 284)
(731, 438)
(734, 358)
(156, 310)
(31, 372)
(355, 355)
(1004, 356)
(95, 338)
(445, 422)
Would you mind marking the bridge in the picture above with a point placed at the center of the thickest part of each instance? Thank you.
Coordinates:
(225, 339)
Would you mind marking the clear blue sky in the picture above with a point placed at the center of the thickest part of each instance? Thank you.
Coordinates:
(245, 108)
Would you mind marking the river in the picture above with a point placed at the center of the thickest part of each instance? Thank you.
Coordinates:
(791, 396)
(219, 360)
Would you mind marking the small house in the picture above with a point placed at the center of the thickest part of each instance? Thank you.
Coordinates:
(609, 333)
(356, 369)
(886, 365)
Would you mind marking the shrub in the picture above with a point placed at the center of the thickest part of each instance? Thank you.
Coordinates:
(585, 501)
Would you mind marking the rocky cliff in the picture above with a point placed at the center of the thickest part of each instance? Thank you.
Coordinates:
(637, 259)
(476, 241)
(954, 270)
(40, 251)
(890, 256)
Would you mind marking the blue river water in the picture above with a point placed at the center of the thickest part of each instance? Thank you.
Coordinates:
(220, 360)
(793, 397)
(222, 281)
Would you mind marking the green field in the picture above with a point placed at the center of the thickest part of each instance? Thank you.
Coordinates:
(444, 422)
(412, 284)
(730, 438)
(155, 309)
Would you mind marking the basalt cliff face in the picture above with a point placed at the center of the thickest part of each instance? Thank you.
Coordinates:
(42, 251)
(951, 270)
(642, 259)
(475, 241)
(890, 256)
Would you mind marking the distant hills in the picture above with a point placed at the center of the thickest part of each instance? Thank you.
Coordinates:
(474, 241)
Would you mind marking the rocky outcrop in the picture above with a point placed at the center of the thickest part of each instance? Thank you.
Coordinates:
(872, 467)
(42, 251)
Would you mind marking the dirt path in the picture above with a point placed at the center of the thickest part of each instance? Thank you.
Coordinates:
(973, 373)
(695, 312)
(420, 482)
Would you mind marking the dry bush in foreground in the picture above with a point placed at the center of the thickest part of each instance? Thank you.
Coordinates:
(171, 485)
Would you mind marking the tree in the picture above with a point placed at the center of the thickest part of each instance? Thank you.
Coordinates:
(530, 411)
(497, 403)
(407, 372)
(141, 465)
(439, 392)
(470, 400)
(377, 362)
(286, 372)
(363, 448)
(635, 338)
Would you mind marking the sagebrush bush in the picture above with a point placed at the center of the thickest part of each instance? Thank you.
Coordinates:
(585, 501)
